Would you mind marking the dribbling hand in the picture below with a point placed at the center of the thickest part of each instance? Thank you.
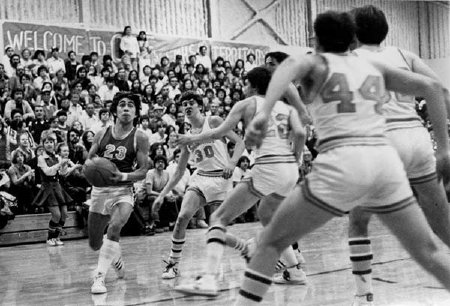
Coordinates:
(116, 177)
(256, 130)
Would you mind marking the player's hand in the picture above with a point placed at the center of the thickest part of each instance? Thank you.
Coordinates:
(256, 130)
(157, 205)
(183, 140)
(228, 171)
(116, 177)
(443, 166)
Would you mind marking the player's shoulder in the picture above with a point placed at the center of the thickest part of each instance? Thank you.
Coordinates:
(141, 138)
(214, 121)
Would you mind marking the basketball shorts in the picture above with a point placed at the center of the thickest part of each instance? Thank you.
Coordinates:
(277, 179)
(416, 152)
(211, 186)
(103, 199)
(350, 176)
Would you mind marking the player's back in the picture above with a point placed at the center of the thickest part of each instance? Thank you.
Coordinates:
(210, 155)
(276, 143)
(399, 109)
(346, 108)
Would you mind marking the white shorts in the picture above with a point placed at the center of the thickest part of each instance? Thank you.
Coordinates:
(416, 152)
(277, 179)
(350, 176)
(103, 199)
(213, 188)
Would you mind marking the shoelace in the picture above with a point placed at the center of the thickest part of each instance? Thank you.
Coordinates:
(169, 265)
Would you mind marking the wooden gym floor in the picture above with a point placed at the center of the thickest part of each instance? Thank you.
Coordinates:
(40, 275)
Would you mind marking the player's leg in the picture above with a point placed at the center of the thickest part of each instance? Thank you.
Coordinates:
(361, 252)
(295, 217)
(192, 201)
(53, 225)
(412, 229)
(97, 223)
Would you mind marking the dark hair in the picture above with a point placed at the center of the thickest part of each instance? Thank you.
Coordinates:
(86, 144)
(125, 30)
(139, 36)
(106, 57)
(277, 55)
(334, 31)
(93, 53)
(16, 154)
(85, 58)
(61, 113)
(16, 90)
(371, 24)
(60, 145)
(16, 111)
(72, 130)
(36, 54)
(102, 111)
(144, 117)
(125, 94)
(169, 106)
(250, 54)
(42, 68)
(191, 95)
(241, 159)
(259, 78)
(70, 52)
(159, 158)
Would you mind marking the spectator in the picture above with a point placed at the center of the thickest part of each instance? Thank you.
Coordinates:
(25, 148)
(159, 135)
(145, 121)
(53, 131)
(81, 78)
(77, 152)
(174, 88)
(120, 80)
(29, 93)
(61, 115)
(39, 124)
(130, 46)
(6, 140)
(171, 146)
(250, 63)
(22, 182)
(170, 116)
(104, 122)
(95, 62)
(18, 103)
(15, 81)
(42, 77)
(241, 170)
(49, 109)
(55, 63)
(39, 61)
(71, 66)
(88, 118)
(26, 60)
(108, 91)
(88, 139)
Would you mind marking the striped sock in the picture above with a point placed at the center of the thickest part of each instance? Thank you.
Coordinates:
(288, 258)
(254, 287)
(215, 245)
(52, 230)
(361, 258)
(108, 252)
(236, 243)
(175, 251)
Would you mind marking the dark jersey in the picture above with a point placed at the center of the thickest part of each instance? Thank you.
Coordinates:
(121, 152)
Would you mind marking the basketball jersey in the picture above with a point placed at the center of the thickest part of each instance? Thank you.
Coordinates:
(347, 108)
(121, 152)
(399, 109)
(210, 155)
(276, 145)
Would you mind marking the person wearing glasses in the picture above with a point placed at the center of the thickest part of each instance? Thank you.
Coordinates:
(210, 182)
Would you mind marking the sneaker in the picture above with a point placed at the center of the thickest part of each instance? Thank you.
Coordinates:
(249, 250)
(202, 224)
(51, 242)
(363, 300)
(58, 242)
(205, 285)
(298, 254)
(170, 271)
(291, 276)
(98, 284)
(119, 267)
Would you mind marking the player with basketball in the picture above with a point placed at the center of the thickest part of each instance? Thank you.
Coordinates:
(273, 176)
(411, 140)
(123, 145)
(356, 165)
(209, 184)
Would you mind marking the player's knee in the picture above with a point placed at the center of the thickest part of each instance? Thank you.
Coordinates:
(116, 226)
(56, 216)
(183, 218)
(264, 216)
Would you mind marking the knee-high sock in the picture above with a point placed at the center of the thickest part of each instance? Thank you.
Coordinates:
(361, 258)
(52, 230)
(287, 259)
(236, 243)
(254, 287)
(109, 251)
(215, 245)
(175, 251)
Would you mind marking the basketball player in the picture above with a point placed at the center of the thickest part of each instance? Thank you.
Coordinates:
(273, 176)
(356, 164)
(123, 145)
(412, 141)
(210, 182)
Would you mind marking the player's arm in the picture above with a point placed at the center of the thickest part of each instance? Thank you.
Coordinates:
(173, 180)
(96, 144)
(298, 134)
(142, 149)
(293, 98)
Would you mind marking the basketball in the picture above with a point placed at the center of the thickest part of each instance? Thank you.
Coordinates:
(98, 171)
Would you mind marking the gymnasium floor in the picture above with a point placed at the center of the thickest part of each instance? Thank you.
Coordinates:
(40, 275)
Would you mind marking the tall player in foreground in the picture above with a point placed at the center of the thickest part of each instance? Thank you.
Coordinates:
(273, 177)
(123, 144)
(356, 164)
(209, 184)
(409, 137)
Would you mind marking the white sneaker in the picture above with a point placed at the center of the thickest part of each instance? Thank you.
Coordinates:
(51, 242)
(249, 250)
(58, 242)
(171, 270)
(363, 300)
(98, 284)
(301, 260)
(205, 285)
(291, 276)
(119, 267)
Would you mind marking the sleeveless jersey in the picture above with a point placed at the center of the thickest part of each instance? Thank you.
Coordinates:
(121, 152)
(347, 107)
(211, 155)
(399, 109)
(276, 145)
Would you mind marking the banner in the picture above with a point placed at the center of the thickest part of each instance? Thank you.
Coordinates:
(82, 41)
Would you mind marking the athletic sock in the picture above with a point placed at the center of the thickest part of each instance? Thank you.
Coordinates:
(361, 258)
(236, 243)
(215, 245)
(52, 230)
(287, 259)
(109, 251)
(175, 251)
(254, 287)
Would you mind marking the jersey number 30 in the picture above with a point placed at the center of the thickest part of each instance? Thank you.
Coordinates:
(208, 152)
(337, 89)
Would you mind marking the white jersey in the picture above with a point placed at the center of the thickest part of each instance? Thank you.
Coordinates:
(210, 155)
(399, 109)
(347, 108)
(276, 146)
